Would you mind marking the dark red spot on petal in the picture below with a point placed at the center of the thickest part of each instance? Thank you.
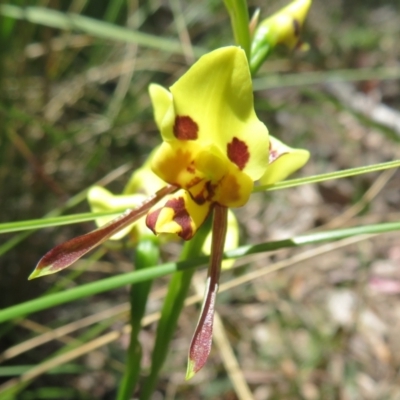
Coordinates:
(238, 152)
(185, 128)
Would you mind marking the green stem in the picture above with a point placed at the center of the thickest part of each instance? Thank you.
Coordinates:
(146, 255)
(258, 56)
(104, 285)
(239, 15)
(75, 22)
(173, 304)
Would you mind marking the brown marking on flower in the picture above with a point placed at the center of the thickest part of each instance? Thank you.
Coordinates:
(274, 154)
(191, 168)
(238, 152)
(296, 27)
(181, 217)
(193, 182)
(185, 128)
(206, 194)
(151, 219)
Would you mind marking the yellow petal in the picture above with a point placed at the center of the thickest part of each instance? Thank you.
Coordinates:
(213, 103)
(283, 160)
(204, 172)
(164, 112)
(178, 214)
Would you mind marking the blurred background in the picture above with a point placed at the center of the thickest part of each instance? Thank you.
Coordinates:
(74, 110)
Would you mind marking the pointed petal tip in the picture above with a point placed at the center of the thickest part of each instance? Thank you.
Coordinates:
(190, 371)
(35, 274)
(41, 270)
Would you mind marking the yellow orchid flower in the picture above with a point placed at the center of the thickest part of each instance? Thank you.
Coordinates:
(214, 145)
(142, 183)
(214, 149)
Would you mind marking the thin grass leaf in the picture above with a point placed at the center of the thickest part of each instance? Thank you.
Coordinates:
(84, 217)
(329, 176)
(100, 29)
(239, 15)
(319, 77)
(158, 271)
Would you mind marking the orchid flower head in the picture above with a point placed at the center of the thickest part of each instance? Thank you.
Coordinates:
(214, 146)
(214, 149)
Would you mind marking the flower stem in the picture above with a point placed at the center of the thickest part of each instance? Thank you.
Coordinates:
(146, 255)
(239, 15)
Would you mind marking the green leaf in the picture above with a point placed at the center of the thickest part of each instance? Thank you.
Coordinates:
(77, 218)
(100, 29)
(329, 176)
(158, 271)
(239, 15)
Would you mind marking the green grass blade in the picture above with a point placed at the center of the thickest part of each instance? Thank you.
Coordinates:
(100, 29)
(239, 15)
(329, 176)
(72, 202)
(318, 77)
(84, 217)
(41, 223)
(114, 282)
(146, 255)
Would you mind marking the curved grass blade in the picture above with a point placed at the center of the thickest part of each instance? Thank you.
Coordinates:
(329, 176)
(114, 282)
(101, 29)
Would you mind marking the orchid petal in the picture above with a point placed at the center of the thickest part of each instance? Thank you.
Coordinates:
(204, 172)
(212, 104)
(164, 112)
(178, 214)
(283, 161)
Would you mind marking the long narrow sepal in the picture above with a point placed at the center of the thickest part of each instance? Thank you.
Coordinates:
(65, 254)
(200, 346)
